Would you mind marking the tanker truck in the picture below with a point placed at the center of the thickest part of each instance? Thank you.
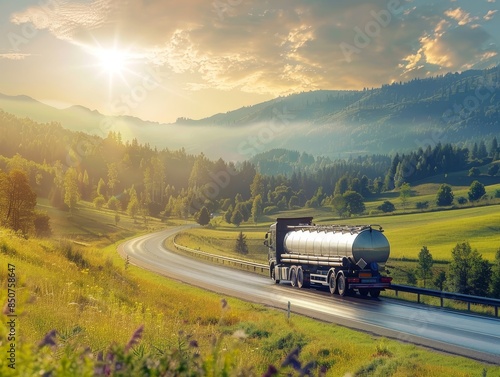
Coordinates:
(344, 258)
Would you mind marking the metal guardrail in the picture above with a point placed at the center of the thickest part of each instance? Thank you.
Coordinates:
(244, 265)
(263, 269)
(448, 295)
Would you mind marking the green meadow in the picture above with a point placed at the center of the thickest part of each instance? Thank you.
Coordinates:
(96, 301)
(440, 231)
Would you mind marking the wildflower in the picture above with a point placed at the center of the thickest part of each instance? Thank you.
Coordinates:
(135, 338)
(49, 339)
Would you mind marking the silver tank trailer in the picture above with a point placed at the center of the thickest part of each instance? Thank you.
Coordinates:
(364, 243)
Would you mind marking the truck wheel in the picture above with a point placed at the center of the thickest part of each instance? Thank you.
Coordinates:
(332, 283)
(302, 278)
(341, 285)
(293, 276)
(374, 293)
(363, 292)
(273, 276)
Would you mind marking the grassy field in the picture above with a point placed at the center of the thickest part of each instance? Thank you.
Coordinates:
(92, 301)
(89, 296)
(440, 231)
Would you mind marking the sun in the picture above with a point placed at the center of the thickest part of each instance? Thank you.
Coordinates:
(112, 61)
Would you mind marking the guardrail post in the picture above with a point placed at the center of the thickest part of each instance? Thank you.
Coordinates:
(442, 300)
(496, 311)
(418, 297)
(468, 306)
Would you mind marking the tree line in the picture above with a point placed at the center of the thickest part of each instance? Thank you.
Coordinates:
(468, 273)
(126, 176)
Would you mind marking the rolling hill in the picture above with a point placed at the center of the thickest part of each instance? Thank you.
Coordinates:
(452, 108)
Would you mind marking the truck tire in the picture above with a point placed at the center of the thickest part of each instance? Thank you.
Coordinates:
(341, 285)
(332, 283)
(303, 279)
(374, 293)
(293, 276)
(363, 292)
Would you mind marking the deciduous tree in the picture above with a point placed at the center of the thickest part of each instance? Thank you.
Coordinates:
(17, 201)
(476, 191)
(71, 190)
(425, 263)
(444, 196)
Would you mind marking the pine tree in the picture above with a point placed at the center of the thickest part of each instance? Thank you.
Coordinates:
(203, 217)
(241, 244)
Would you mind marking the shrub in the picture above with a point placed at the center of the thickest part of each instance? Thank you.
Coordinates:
(387, 206)
(99, 202)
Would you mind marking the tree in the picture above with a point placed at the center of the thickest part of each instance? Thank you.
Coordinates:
(203, 216)
(404, 194)
(17, 201)
(386, 207)
(354, 202)
(476, 191)
(112, 177)
(257, 187)
(114, 204)
(228, 214)
(236, 218)
(257, 208)
(241, 244)
(133, 207)
(71, 191)
(117, 218)
(411, 277)
(474, 172)
(42, 224)
(425, 263)
(444, 195)
(99, 202)
(101, 188)
(440, 280)
(341, 186)
(495, 276)
(340, 205)
(494, 147)
(469, 273)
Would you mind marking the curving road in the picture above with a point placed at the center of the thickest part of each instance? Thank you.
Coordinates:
(468, 335)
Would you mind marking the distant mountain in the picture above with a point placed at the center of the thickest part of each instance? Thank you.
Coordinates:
(451, 108)
(455, 107)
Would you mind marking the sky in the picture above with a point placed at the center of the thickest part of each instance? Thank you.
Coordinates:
(163, 59)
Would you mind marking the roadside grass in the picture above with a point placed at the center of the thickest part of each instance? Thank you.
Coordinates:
(222, 242)
(87, 295)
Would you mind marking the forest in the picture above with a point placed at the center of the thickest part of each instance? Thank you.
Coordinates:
(66, 166)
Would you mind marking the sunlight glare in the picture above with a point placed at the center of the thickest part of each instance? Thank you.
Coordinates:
(114, 62)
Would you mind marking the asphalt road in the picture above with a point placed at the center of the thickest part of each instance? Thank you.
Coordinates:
(463, 334)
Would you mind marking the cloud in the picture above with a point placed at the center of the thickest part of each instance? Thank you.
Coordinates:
(64, 19)
(462, 17)
(14, 56)
(276, 47)
(488, 16)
